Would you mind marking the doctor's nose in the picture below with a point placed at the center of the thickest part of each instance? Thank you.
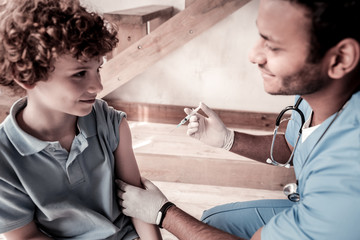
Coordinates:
(257, 55)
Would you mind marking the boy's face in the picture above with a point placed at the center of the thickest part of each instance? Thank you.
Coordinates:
(71, 88)
(283, 48)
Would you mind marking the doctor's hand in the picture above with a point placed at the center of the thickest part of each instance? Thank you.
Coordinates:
(210, 130)
(143, 204)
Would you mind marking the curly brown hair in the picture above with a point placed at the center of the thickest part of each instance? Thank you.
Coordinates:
(34, 32)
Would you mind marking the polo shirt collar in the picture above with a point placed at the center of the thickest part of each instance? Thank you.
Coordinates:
(26, 144)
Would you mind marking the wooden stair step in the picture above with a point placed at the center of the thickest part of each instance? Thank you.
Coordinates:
(165, 154)
(140, 15)
(195, 198)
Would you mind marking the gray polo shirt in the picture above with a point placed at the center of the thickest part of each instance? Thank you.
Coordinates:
(69, 195)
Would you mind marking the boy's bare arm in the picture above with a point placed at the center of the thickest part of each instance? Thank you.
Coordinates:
(29, 231)
(127, 170)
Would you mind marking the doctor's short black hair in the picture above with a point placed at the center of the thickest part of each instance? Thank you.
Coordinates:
(33, 33)
(332, 21)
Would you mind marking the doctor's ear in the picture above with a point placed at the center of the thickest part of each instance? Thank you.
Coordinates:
(344, 58)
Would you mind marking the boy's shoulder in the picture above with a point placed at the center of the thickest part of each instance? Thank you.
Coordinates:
(102, 107)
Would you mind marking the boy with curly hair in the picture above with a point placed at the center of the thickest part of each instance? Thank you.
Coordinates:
(60, 145)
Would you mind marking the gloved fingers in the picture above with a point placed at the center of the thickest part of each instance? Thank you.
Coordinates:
(193, 127)
(193, 124)
(125, 211)
(121, 203)
(187, 110)
(120, 199)
(120, 184)
(120, 194)
(194, 118)
(125, 190)
(191, 132)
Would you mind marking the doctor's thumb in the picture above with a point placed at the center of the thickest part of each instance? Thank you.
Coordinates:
(147, 184)
(210, 113)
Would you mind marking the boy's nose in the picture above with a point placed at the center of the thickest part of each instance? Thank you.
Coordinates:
(96, 85)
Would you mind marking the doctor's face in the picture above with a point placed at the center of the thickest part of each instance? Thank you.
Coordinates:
(282, 51)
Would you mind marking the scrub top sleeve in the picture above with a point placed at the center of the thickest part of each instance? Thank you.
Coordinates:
(16, 207)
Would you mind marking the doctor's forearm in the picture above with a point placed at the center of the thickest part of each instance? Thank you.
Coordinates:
(184, 227)
(257, 147)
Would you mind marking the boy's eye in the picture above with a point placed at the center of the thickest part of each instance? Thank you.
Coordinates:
(80, 74)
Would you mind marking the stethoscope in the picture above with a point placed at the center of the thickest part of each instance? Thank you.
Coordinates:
(290, 190)
(271, 160)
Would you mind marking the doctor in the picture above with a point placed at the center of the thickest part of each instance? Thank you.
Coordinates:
(309, 49)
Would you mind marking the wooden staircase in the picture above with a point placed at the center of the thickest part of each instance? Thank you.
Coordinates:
(197, 17)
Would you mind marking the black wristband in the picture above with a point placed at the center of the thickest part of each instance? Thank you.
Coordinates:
(162, 213)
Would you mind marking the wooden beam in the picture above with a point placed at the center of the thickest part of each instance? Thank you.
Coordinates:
(172, 114)
(180, 29)
(189, 2)
(139, 15)
(133, 24)
(197, 170)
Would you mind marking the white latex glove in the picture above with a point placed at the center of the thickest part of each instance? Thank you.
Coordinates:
(210, 130)
(143, 204)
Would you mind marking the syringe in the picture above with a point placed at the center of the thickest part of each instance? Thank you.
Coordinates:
(185, 119)
(193, 112)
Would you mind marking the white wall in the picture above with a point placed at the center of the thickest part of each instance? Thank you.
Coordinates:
(213, 67)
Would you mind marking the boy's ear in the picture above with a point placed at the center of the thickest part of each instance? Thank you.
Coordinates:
(344, 58)
(25, 85)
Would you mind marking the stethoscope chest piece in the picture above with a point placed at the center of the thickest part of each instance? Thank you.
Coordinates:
(290, 190)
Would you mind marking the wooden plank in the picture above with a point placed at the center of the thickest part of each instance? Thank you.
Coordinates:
(217, 172)
(189, 2)
(140, 15)
(194, 198)
(172, 34)
(166, 155)
(159, 113)
(134, 24)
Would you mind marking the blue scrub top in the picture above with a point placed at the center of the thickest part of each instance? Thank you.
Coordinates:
(328, 171)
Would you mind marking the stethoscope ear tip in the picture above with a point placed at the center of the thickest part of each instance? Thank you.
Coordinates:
(269, 161)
